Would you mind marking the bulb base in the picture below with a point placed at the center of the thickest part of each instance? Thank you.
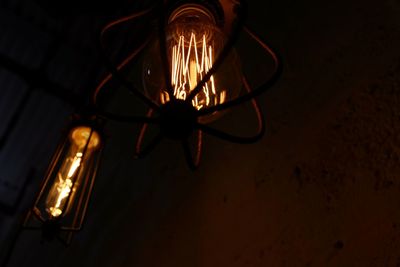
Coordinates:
(178, 119)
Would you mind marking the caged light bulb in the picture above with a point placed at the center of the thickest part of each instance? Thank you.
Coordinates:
(67, 179)
(193, 44)
(61, 204)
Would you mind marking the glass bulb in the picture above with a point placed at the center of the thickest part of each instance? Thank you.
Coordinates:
(193, 43)
(80, 150)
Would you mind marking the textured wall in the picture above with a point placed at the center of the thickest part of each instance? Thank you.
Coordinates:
(321, 189)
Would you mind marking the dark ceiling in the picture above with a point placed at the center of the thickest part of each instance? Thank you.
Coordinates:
(320, 189)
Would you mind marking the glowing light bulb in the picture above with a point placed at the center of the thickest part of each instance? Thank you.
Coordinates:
(67, 180)
(189, 63)
(193, 43)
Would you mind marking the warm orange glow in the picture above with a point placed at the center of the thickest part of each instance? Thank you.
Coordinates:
(66, 181)
(190, 61)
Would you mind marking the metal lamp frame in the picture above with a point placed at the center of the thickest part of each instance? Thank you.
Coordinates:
(157, 114)
(166, 116)
(52, 228)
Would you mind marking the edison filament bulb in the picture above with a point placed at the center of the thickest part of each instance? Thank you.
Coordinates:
(193, 43)
(83, 142)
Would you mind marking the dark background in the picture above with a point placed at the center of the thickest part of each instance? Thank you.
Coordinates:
(321, 189)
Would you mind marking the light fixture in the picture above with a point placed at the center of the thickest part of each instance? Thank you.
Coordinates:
(193, 40)
(191, 76)
(191, 72)
(60, 207)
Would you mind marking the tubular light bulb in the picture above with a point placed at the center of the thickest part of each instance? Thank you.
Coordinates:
(62, 191)
(193, 43)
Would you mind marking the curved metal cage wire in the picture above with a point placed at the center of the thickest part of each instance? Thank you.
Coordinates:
(64, 228)
(153, 116)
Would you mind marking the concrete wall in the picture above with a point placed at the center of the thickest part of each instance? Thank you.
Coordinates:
(321, 189)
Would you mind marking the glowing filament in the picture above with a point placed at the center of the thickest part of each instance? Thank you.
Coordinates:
(82, 142)
(190, 62)
(64, 185)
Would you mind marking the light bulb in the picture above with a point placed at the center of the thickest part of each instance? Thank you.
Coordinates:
(193, 44)
(74, 161)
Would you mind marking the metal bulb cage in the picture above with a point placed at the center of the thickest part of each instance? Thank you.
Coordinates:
(169, 116)
(76, 203)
